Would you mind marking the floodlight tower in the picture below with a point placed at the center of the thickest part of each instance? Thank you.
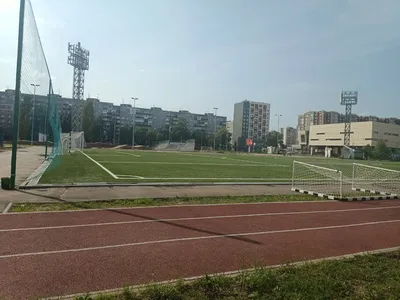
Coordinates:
(79, 59)
(348, 99)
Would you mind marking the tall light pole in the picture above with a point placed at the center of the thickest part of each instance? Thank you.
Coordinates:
(133, 121)
(215, 124)
(277, 133)
(33, 109)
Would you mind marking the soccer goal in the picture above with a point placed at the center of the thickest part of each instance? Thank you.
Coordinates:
(375, 180)
(72, 141)
(316, 180)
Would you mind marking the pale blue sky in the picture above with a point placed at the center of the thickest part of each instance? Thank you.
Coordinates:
(197, 54)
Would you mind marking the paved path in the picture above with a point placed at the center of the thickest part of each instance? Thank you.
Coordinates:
(28, 160)
(51, 254)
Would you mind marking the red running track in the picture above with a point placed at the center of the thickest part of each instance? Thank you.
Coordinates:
(53, 254)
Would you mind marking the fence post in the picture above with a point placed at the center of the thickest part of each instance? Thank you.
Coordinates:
(341, 184)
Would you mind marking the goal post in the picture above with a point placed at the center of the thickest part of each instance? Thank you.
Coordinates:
(72, 141)
(375, 180)
(316, 180)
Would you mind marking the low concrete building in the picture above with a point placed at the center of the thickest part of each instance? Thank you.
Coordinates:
(362, 134)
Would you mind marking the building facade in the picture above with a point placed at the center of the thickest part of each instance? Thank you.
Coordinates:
(250, 120)
(362, 134)
(111, 117)
(289, 136)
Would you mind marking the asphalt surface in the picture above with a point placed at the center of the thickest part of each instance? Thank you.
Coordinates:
(63, 253)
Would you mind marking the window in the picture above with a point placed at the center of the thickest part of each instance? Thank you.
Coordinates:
(321, 133)
(333, 139)
(314, 139)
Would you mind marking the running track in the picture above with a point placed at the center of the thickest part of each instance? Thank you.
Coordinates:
(51, 254)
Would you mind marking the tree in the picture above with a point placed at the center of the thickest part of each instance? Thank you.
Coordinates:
(381, 151)
(272, 140)
(222, 138)
(180, 131)
(368, 152)
(151, 136)
(25, 118)
(88, 121)
(125, 136)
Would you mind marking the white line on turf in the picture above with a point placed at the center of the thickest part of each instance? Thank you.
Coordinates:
(213, 178)
(183, 163)
(201, 218)
(128, 153)
(100, 165)
(209, 237)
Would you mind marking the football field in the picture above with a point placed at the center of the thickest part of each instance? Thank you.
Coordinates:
(125, 166)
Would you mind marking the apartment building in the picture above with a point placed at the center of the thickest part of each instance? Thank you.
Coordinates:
(250, 120)
(113, 117)
(289, 136)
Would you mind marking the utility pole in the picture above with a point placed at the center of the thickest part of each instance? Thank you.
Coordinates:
(277, 133)
(133, 121)
(33, 109)
(215, 124)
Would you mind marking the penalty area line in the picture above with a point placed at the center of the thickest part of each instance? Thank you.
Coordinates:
(100, 165)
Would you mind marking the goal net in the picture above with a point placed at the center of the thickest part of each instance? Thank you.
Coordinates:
(375, 180)
(72, 141)
(312, 179)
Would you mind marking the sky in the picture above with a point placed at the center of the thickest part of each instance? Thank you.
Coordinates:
(297, 55)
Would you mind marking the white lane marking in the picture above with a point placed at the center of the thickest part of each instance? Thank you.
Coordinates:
(209, 237)
(100, 165)
(228, 273)
(174, 205)
(199, 218)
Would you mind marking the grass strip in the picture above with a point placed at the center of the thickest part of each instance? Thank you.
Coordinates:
(366, 277)
(64, 205)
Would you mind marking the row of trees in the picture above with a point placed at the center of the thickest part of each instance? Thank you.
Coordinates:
(380, 152)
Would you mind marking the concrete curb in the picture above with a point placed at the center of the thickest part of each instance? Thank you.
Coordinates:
(155, 184)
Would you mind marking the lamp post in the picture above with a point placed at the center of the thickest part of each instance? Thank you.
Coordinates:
(277, 133)
(133, 121)
(215, 124)
(33, 109)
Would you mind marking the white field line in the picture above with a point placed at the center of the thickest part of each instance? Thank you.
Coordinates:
(109, 155)
(209, 237)
(128, 153)
(100, 165)
(129, 177)
(205, 178)
(180, 163)
(201, 218)
(260, 163)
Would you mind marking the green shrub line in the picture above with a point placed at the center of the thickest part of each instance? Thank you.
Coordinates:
(373, 276)
(66, 205)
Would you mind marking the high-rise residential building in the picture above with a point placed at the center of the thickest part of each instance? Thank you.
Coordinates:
(289, 136)
(250, 120)
(111, 117)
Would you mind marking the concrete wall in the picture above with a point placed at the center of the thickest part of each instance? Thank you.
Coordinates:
(362, 134)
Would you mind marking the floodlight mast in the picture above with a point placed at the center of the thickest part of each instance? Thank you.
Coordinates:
(348, 99)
